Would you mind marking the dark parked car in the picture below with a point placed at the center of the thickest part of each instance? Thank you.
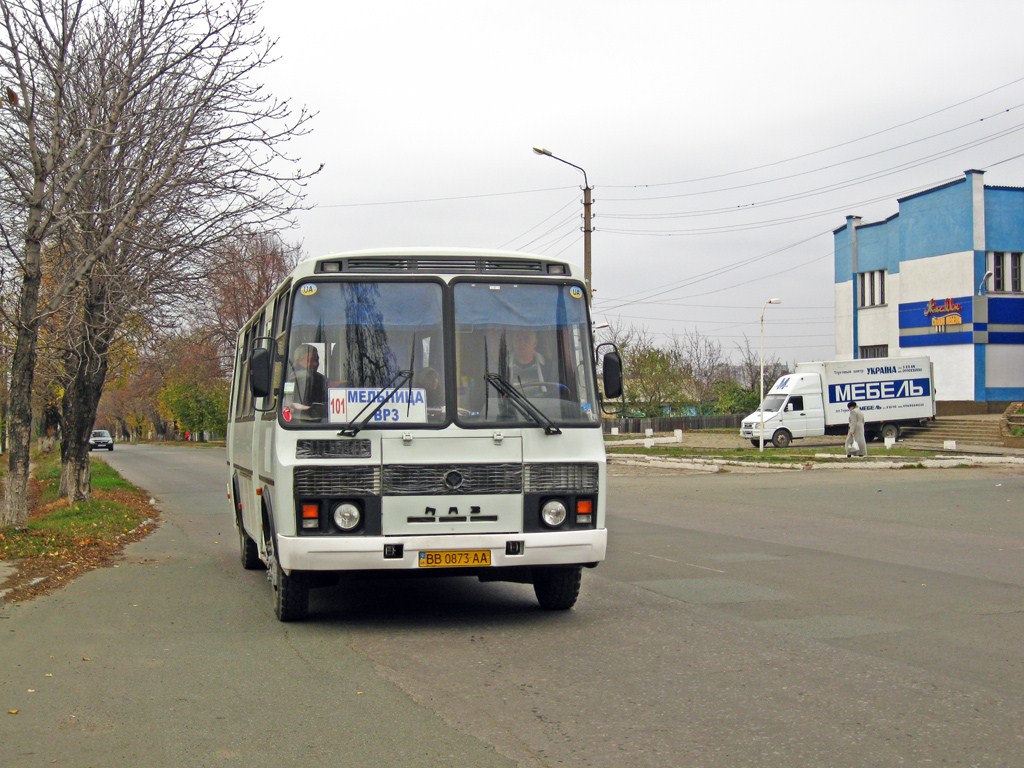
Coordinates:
(100, 438)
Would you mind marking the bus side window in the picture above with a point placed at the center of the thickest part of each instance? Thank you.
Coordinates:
(281, 303)
(241, 375)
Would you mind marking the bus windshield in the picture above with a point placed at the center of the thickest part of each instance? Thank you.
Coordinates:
(522, 355)
(351, 343)
(530, 337)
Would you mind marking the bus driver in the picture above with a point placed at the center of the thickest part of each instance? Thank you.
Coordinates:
(527, 364)
(310, 384)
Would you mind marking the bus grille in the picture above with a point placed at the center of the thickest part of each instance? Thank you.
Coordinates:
(332, 449)
(337, 481)
(449, 480)
(544, 478)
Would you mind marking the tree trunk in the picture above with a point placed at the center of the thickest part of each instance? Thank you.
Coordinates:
(78, 412)
(23, 368)
(86, 371)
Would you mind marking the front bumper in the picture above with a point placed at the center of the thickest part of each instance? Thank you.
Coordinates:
(360, 553)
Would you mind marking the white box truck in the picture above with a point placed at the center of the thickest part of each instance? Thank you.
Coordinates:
(892, 392)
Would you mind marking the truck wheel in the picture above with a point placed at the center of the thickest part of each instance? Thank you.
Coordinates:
(756, 443)
(782, 439)
(557, 588)
(891, 430)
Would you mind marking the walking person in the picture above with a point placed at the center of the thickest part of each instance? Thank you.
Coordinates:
(856, 443)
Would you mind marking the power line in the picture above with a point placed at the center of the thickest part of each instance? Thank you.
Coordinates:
(444, 199)
(692, 280)
(823, 149)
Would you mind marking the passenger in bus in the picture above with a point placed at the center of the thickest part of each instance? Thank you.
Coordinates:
(429, 380)
(310, 384)
(527, 364)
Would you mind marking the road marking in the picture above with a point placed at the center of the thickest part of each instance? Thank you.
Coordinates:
(704, 568)
(670, 560)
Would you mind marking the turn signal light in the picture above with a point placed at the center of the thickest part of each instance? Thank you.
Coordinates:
(310, 511)
(584, 511)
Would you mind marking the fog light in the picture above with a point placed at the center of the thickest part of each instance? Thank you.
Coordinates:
(310, 523)
(553, 513)
(347, 516)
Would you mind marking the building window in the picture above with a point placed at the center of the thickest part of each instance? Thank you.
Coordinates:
(872, 288)
(1006, 272)
(875, 350)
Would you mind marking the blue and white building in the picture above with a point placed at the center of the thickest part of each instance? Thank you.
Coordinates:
(943, 278)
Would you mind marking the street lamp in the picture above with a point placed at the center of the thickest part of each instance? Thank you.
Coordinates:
(981, 285)
(587, 228)
(761, 407)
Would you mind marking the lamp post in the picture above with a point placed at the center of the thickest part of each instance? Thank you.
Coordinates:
(761, 406)
(587, 228)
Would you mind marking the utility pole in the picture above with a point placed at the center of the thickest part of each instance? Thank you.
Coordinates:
(588, 226)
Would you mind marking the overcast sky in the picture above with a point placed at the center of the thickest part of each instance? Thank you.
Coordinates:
(724, 140)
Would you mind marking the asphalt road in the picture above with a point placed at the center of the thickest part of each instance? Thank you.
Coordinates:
(775, 619)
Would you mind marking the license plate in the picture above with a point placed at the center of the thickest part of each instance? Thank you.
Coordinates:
(455, 558)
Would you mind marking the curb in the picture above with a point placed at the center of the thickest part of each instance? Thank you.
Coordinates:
(823, 461)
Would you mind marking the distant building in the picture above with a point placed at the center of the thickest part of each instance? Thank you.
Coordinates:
(942, 277)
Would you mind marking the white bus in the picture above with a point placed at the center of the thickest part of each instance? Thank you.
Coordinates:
(421, 411)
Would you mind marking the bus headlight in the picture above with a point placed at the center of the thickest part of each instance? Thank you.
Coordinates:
(553, 513)
(347, 516)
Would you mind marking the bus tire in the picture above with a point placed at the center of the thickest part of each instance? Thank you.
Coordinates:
(291, 594)
(782, 438)
(557, 588)
(291, 591)
(250, 553)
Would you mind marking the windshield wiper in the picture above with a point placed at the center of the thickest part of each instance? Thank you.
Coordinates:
(522, 402)
(352, 429)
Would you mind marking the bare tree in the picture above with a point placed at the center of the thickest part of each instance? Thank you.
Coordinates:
(242, 273)
(132, 131)
(701, 362)
(749, 367)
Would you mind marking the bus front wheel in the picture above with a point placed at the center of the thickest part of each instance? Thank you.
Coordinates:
(291, 591)
(557, 588)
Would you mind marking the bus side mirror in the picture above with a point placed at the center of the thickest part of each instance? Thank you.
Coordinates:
(259, 372)
(611, 374)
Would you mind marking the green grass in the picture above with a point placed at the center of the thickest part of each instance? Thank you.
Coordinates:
(57, 528)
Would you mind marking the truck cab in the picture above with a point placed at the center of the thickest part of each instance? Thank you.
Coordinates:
(793, 408)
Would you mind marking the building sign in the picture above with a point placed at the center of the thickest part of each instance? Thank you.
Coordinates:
(944, 315)
(937, 322)
(947, 307)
